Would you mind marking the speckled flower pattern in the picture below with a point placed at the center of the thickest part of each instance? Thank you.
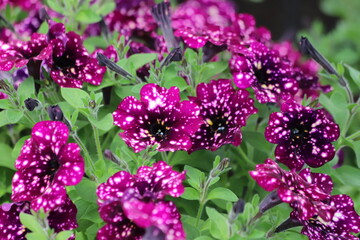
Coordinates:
(130, 203)
(159, 117)
(46, 164)
(303, 135)
(224, 111)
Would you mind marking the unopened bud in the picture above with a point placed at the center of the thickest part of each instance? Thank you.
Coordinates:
(55, 113)
(270, 201)
(289, 223)
(220, 167)
(31, 104)
(92, 104)
(237, 209)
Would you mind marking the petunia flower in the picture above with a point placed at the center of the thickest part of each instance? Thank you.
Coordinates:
(46, 164)
(263, 70)
(131, 205)
(203, 22)
(304, 72)
(157, 118)
(224, 111)
(303, 135)
(19, 53)
(344, 222)
(62, 218)
(304, 191)
(70, 63)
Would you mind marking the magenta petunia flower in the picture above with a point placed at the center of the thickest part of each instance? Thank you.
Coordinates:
(303, 135)
(344, 222)
(46, 164)
(202, 22)
(304, 72)
(304, 191)
(263, 70)
(224, 111)
(110, 52)
(62, 218)
(70, 63)
(133, 204)
(243, 31)
(157, 118)
(19, 53)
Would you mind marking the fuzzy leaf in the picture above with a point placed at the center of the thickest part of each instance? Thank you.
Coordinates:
(222, 193)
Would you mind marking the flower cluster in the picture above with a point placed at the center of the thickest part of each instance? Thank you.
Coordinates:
(208, 121)
(63, 53)
(133, 205)
(309, 194)
(46, 164)
(303, 135)
(59, 219)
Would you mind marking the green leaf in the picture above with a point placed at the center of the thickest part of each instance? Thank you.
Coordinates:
(356, 148)
(74, 96)
(337, 106)
(176, 82)
(87, 16)
(195, 176)
(87, 190)
(203, 238)
(5, 104)
(211, 69)
(105, 8)
(54, 5)
(30, 222)
(26, 88)
(219, 228)
(355, 75)
(3, 118)
(6, 159)
(140, 59)
(222, 193)
(104, 124)
(13, 116)
(191, 194)
(257, 140)
(349, 175)
(36, 236)
(64, 235)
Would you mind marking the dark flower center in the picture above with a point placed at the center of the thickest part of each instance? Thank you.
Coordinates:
(64, 61)
(218, 124)
(261, 75)
(53, 166)
(299, 133)
(159, 130)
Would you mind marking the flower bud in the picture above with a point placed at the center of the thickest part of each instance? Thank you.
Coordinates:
(55, 113)
(237, 209)
(270, 201)
(31, 104)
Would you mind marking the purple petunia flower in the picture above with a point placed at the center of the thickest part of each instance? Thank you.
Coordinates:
(243, 31)
(304, 191)
(19, 53)
(224, 111)
(70, 63)
(303, 135)
(46, 164)
(344, 221)
(262, 69)
(130, 203)
(200, 22)
(157, 118)
(304, 72)
(62, 218)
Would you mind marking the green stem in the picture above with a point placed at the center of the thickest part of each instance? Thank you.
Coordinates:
(97, 143)
(353, 136)
(245, 157)
(199, 213)
(164, 157)
(88, 159)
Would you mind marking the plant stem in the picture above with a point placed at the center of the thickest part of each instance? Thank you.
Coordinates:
(164, 157)
(245, 157)
(97, 143)
(353, 136)
(88, 159)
